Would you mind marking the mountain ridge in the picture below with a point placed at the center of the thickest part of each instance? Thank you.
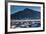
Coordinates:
(26, 14)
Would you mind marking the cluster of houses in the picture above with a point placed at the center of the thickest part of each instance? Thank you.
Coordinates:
(25, 23)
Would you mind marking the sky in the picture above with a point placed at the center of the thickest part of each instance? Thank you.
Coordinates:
(15, 8)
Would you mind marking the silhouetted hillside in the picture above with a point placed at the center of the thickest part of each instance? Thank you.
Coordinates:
(26, 14)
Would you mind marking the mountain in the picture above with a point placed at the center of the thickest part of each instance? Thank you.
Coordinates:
(26, 14)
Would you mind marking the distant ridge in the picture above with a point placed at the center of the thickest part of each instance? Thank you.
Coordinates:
(26, 14)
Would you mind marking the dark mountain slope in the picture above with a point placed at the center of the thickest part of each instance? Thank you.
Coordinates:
(26, 14)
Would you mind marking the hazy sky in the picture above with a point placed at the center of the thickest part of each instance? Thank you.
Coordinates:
(15, 8)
